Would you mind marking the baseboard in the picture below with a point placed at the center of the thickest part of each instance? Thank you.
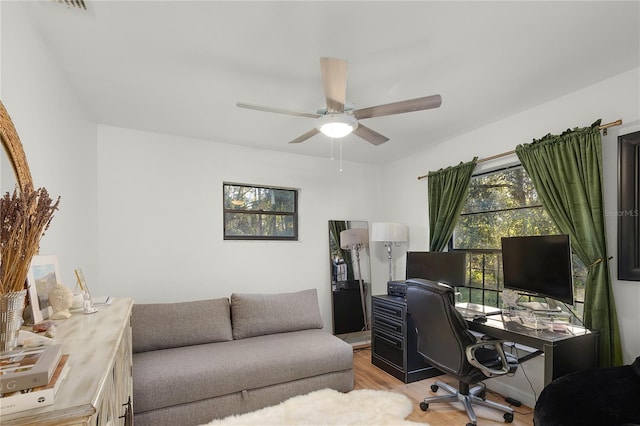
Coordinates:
(360, 346)
(358, 340)
(510, 391)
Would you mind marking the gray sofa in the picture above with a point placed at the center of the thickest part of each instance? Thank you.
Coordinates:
(197, 361)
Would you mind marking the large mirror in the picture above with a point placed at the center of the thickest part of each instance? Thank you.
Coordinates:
(350, 276)
(13, 165)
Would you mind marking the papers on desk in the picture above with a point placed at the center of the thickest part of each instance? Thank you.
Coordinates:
(523, 320)
(539, 307)
(102, 300)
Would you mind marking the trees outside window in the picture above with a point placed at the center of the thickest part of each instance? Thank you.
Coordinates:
(254, 212)
(500, 204)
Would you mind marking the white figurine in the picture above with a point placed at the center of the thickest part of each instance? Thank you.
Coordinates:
(61, 299)
(87, 305)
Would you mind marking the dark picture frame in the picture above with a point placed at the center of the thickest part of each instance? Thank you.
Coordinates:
(629, 207)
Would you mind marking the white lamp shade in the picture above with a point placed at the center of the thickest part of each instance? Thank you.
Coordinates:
(351, 238)
(337, 125)
(389, 231)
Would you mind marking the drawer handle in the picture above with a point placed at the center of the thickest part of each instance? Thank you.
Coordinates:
(395, 312)
(387, 325)
(391, 342)
(127, 413)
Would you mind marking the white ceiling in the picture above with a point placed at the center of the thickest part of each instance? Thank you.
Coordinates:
(179, 67)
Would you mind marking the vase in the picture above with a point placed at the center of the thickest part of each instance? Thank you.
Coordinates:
(11, 307)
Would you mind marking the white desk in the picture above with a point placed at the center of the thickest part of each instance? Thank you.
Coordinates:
(98, 389)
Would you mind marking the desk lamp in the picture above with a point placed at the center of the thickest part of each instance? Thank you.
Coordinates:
(390, 234)
(356, 239)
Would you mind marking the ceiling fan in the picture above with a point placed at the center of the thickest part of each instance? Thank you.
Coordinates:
(336, 120)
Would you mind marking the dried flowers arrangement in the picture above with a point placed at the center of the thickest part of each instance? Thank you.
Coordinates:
(24, 217)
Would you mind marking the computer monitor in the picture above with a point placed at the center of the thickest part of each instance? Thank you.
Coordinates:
(539, 265)
(445, 267)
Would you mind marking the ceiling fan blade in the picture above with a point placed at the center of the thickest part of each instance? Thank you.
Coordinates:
(334, 81)
(369, 135)
(418, 104)
(305, 136)
(277, 110)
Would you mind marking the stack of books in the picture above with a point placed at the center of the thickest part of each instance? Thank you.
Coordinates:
(31, 377)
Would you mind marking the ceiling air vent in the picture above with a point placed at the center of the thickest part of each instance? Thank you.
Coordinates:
(73, 3)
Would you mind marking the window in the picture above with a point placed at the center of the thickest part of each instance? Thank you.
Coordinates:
(259, 212)
(500, 204)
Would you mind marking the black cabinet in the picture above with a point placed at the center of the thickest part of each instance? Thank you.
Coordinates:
(347, 311)
(394, 341)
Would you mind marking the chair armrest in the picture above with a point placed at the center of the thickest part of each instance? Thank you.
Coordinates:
(487, 371)
(487, 338)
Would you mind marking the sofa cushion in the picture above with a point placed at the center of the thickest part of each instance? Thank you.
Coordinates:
(170, 325)
(260, 314)
(182, 375)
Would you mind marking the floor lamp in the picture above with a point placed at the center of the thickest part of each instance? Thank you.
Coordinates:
(389, 233)
(356, 239)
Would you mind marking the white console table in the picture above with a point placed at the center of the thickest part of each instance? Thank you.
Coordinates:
(98, 389)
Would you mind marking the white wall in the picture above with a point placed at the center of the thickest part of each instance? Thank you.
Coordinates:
(59, 140)
(160, 218)
(612, 99)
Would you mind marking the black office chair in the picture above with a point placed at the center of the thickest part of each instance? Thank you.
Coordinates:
(445, 342)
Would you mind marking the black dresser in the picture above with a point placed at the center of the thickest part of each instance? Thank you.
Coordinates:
(394, 341)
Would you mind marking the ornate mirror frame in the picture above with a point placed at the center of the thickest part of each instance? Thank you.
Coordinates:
(14, 150)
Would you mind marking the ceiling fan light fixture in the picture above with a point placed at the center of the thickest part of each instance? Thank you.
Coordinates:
(337, 125)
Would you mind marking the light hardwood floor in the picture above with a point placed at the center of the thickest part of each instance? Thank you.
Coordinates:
(368, 376)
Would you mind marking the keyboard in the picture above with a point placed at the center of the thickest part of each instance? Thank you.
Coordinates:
(472, 309)
(468, 313)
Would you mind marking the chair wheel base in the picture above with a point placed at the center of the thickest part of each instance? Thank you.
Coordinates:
(424, 406)
(508, 417)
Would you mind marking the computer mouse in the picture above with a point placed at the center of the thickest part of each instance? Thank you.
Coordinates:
(479, 318)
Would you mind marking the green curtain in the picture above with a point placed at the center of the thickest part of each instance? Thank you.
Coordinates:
(447, 192)
(566, 171)
(335, 227)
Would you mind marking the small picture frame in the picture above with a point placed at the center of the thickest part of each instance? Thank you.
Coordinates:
(43, 276)
(87, 304)
(82, 283)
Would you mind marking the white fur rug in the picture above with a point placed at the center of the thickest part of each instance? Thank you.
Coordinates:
(329, 407)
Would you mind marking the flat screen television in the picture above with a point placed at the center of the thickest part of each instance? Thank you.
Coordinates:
(444, 267)
(539, 265)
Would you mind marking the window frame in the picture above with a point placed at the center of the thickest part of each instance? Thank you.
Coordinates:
(293, 215)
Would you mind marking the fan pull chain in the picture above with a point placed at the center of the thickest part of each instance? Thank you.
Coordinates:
(331, 150)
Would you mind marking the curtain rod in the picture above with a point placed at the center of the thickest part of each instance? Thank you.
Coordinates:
(504, 154)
